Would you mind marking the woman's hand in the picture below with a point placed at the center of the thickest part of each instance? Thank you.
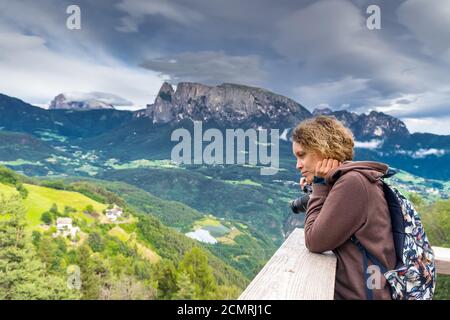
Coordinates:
(303, 182)
(325, 166)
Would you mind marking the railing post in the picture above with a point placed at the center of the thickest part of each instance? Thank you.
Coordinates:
(294, 273)
(442, 257)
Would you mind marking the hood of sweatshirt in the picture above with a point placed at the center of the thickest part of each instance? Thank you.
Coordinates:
(372, 170)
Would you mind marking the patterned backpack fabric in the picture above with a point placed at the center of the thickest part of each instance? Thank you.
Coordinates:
(414, 276)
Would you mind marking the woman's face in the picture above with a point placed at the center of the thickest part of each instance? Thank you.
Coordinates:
(306, 161)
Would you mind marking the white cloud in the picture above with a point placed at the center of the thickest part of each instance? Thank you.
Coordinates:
(422, 153)
(36, 73)
(431, 103)
(322, 94)
(42, 58)
(372, 144)
(107, 98)
(436, 125)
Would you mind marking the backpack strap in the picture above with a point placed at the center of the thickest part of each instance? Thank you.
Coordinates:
(389, 173)
(367, 256)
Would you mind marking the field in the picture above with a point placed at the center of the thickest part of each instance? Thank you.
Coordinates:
(41, 199)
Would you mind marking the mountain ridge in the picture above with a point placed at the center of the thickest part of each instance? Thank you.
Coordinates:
(230, 104)
(145, 134)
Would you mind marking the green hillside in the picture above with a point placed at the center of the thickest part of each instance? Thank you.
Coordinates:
(134, 257)
(40, 199)
(239, 245)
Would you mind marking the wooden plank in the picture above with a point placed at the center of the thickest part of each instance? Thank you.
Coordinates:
(442, 258)
(294, 273)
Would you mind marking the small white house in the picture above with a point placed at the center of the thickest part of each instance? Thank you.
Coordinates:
(65, 228)
(114, 213)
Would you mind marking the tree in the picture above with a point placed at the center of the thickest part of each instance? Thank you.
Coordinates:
(166, 279)
(195, 264)
(186, 289)
(47, 218)
(8, 176)
(227, 292)
(54, 210)
(128, 288)
(436, 221)
(22, 190)
(416, 200)
(90, 284)
(68, 210)
(36, 237)
(96, 242)
(142, 270)
(89, 208)
(46, 254)
(52, 251)
(22, 274)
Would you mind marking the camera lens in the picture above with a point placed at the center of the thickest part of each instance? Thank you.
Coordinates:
(301, 204)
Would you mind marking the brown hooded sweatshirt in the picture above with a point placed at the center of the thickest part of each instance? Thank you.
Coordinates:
(352, 203)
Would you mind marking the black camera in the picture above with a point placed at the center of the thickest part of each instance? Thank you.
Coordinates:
(301, 204)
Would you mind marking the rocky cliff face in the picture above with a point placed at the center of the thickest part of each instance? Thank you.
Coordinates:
(228, 104)
(237, 105)
(368, 126)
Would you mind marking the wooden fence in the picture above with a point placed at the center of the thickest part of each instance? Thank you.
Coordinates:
(294, 273)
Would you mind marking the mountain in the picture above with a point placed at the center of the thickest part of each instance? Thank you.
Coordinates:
(145, 134)
(228, 104)
(384, 138)
(16, 145)
(128, 154)
(374, 125)
(19, 116)
(68, 102)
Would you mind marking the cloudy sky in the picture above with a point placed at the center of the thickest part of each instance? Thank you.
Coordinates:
(317, 52)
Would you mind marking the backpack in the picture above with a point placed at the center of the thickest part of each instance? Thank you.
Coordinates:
(414, 276)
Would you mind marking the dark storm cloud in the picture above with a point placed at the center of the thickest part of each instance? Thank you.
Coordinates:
(318, 52)
(210, 67)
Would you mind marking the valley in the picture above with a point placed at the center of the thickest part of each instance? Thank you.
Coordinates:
(73, 160)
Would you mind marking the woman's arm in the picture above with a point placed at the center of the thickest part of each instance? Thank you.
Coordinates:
(334, 215)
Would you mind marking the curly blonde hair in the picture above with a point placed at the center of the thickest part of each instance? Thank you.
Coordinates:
(325, 136)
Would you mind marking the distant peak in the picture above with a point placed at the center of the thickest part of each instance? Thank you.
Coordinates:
(322, 111)
(82, 101)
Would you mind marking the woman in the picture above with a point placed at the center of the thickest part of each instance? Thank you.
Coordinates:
(347, 200)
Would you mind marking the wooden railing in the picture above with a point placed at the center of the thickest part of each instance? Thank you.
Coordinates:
(294, 273)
